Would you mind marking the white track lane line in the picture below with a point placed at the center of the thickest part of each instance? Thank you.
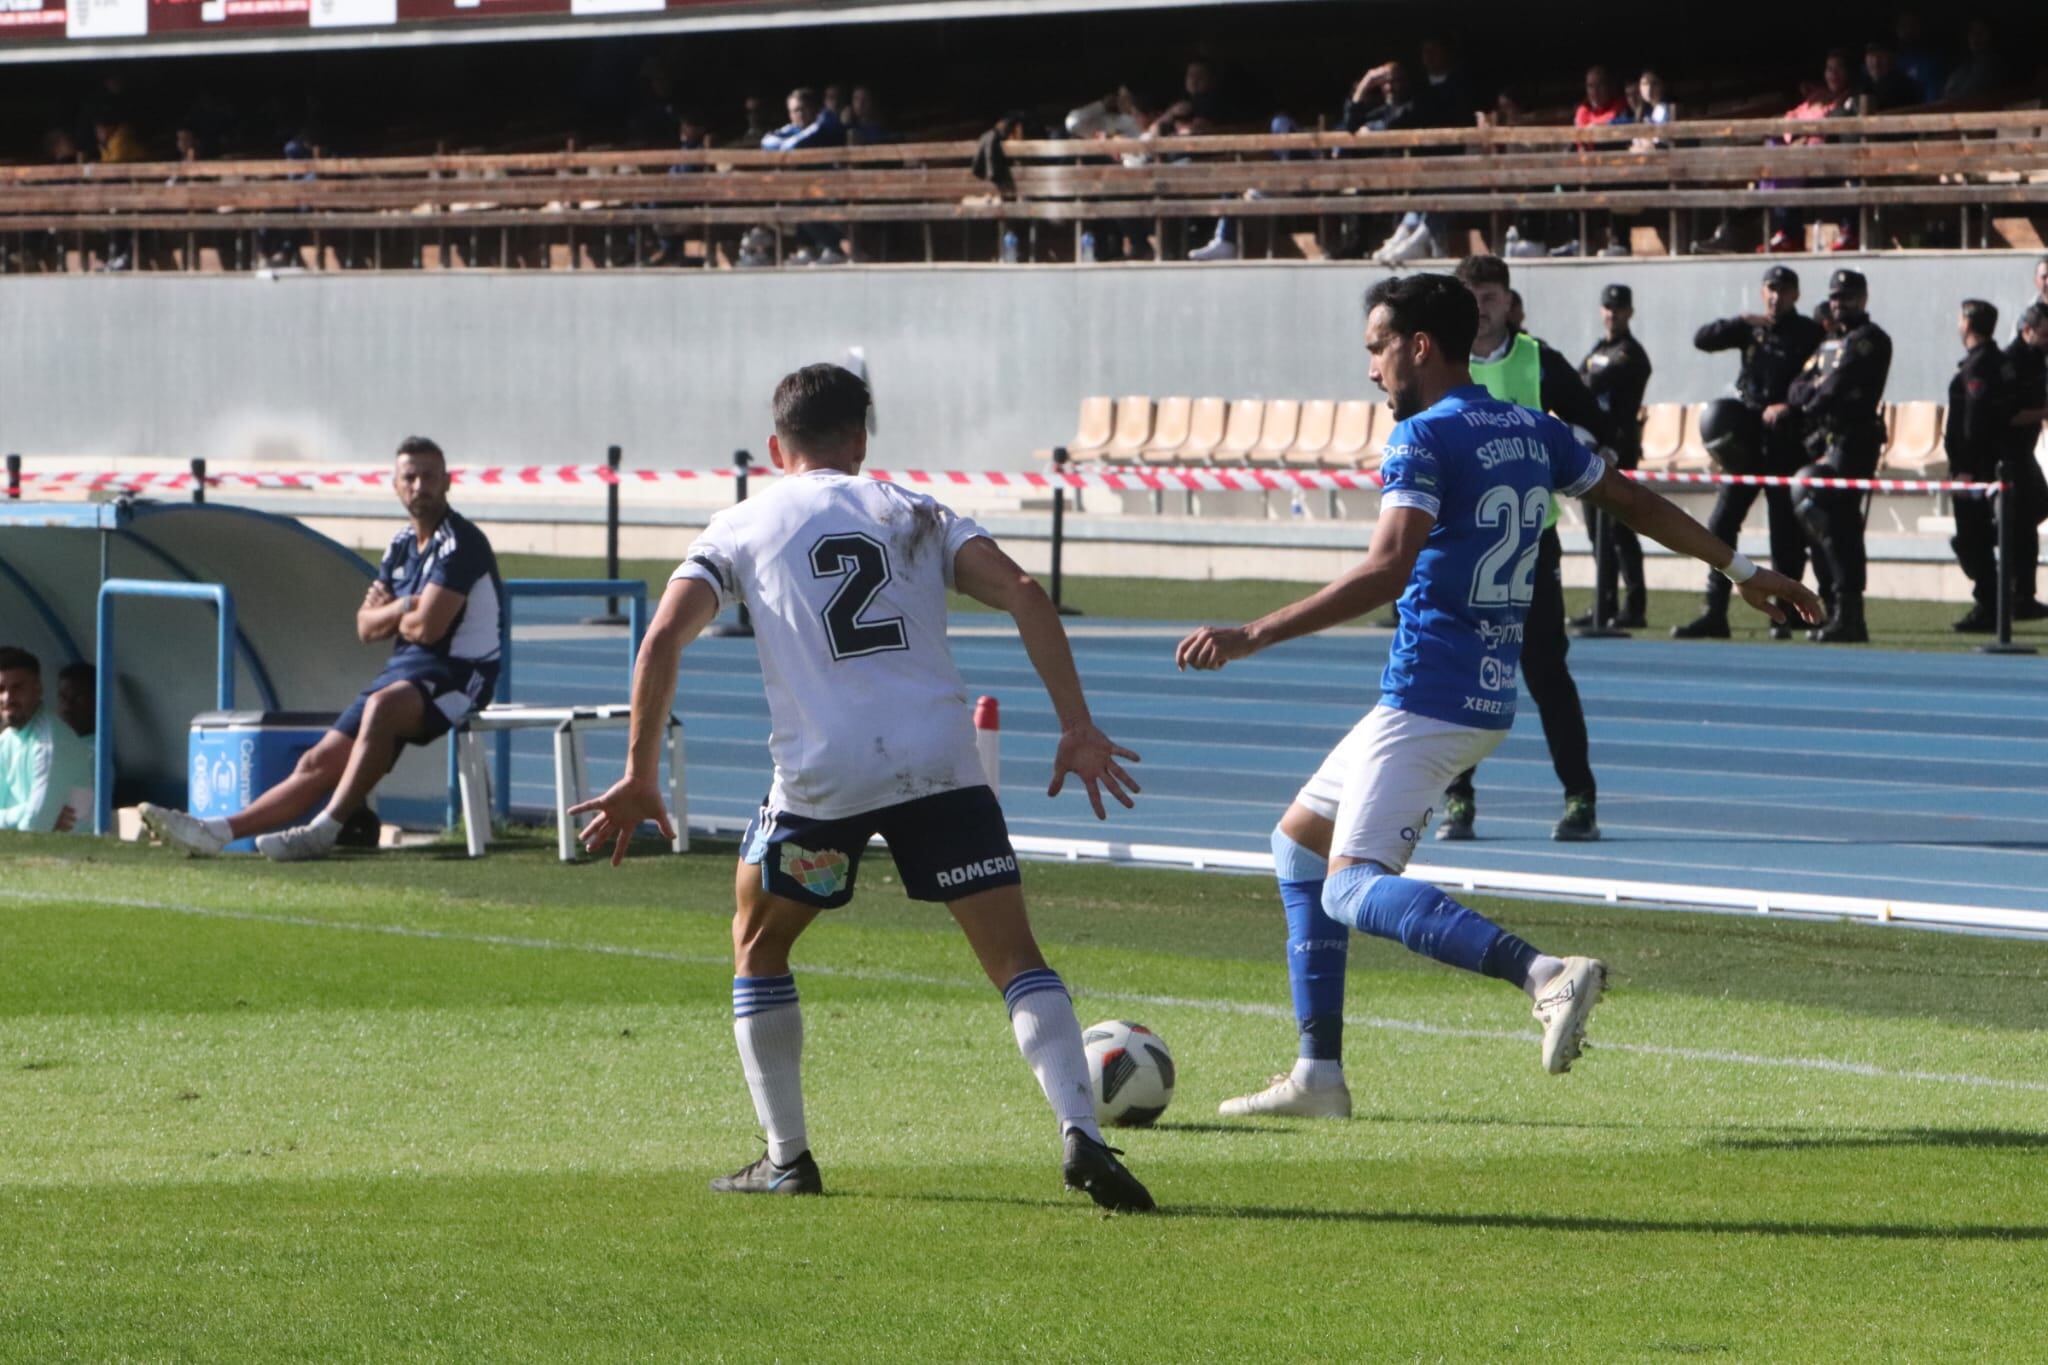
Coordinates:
(1830, 1065)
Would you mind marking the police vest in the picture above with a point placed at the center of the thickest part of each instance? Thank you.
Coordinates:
(1517, 377)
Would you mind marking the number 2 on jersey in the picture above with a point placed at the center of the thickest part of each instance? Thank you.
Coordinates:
(863, 565)
(1513, 514)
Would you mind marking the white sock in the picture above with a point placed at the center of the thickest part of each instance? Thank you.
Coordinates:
(325, 828)
(1540, 972)
(218, 827)
(1049, 1036)
(769, 1027)
(1318, 1073)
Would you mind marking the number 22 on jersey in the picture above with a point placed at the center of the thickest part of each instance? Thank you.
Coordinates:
(1503, 577)
(861, 563)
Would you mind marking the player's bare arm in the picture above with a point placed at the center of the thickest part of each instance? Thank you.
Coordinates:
(1379, 579)
(430, 615)
(992, 578)
(1647, 512)
(686, 608)
(377, 619)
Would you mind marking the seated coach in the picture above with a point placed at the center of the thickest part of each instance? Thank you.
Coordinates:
(438, 595)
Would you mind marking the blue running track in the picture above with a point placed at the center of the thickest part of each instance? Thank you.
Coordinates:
(1838, 771)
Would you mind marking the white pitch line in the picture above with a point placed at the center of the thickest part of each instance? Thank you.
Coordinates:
(1831, 1065)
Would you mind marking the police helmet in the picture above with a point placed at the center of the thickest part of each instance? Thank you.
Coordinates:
(1733, 434)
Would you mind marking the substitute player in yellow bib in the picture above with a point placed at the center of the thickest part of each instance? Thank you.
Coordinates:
(846, 578)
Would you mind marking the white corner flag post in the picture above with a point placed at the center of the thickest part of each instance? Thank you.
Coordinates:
(988, 741)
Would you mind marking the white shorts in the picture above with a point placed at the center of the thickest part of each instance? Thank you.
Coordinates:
(1385, 779)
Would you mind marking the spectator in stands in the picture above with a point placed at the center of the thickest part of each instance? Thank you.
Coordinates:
(692, 135)
(810, 125)
(1982, 72)
(1384, 100)
(1119, 114)
(1200, 110)
(1446, 92)
(438, 596)
(864, 126)
(46, 772)
(1922, 67)
(1885, 86)
(1647, 104)
(655, 108)
(1604, 102)
(281, 248)
(1834, 97)
(75, 698)
(759, 122)
(117, 141)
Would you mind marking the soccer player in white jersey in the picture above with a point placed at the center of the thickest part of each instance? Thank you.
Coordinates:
(1468, 482)
(846, 578)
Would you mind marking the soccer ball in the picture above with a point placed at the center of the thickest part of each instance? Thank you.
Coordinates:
(1131, 1072)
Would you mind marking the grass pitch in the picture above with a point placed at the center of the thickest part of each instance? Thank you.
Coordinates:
(409, 1107)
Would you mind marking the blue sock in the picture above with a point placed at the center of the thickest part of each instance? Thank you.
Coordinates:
(1424, 920)
(1317, 950)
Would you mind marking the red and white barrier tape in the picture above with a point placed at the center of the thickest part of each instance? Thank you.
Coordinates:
(1114, 478)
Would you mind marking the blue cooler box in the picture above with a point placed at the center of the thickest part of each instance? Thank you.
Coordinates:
(238, 754)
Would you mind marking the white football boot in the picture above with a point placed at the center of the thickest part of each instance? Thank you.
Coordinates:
(1289, 1098)
(176, 829)
(1563, 1006)
(300, 843)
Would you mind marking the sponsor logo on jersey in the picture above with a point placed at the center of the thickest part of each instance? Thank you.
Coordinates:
(1486, 705)
(822, 873)
(1494, 634)
(1509, 415)
(974, 872)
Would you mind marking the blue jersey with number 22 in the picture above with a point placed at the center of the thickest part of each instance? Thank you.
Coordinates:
(1487, 471)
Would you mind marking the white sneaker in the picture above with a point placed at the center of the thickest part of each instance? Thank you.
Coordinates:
(1564, 1005)
(1396, 240)
(1219, 249)
(1413, 247)
(801, 256)
(176, 829)
(831, 255)
(300, 843)
(1287, 1096)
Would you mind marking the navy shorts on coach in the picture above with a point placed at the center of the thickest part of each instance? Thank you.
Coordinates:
(946, 846)
(451, 688)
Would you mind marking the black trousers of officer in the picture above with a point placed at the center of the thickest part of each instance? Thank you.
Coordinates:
(1620, 557)
(1834, 517)
(1548, 682)
(1976, 540)
(1784, 454)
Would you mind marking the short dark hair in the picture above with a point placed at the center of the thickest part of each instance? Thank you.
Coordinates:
(820, 407)
(77, 671)
(13, 657)
(420, 445)
(1981, 316)
(1436, 304)
(805, 94)
(1482, 270)
(2036, 316)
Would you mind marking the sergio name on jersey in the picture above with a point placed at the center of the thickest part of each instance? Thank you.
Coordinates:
(846, 578)
(1487, 472)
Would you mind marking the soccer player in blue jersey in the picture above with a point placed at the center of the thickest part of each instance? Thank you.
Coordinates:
(1468, 483)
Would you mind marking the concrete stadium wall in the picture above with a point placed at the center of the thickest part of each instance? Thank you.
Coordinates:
(974, 367)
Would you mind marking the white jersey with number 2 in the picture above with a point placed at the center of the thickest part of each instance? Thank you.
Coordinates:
(846, 579)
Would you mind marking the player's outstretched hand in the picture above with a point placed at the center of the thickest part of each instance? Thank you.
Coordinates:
(1767, 589)
(1212, 647)
(619, 812)
(1088, 754)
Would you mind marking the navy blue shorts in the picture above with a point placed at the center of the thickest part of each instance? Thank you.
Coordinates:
(946, 846)
(451, 688)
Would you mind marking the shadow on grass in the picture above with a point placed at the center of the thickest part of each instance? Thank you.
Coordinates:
(1539, 1222)
(1969, 1138)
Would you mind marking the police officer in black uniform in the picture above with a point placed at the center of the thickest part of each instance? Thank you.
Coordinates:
(1981, 404)
(1617, 370)
(1776, 345)
(2028, 355)
(1841, 413)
